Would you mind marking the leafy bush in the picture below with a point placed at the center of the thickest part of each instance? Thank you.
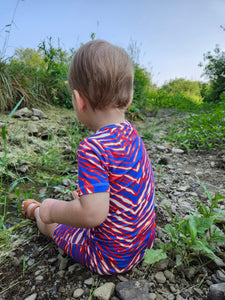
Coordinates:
(141, 96)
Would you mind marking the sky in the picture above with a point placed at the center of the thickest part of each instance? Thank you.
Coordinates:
(172, 35)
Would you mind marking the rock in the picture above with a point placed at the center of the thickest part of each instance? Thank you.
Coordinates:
(23, 112)
(184, 188)
(170, 276)
(133, 290)
(38, 113)
(89, 281)
(39, 278)
(217, 291)
(105, 291)
(152, 296)
(162, 264)
(33, 118)
(177, 151)
(160, 147)
(66, 182)
(220, 275)
(160, 277)
(78, 293)
(32, 129)
(190, 272)
(31, 297)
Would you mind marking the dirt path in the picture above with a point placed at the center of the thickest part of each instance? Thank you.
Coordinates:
(34, 268)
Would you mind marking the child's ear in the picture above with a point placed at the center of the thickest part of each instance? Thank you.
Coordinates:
(80, 101)
(129, 103)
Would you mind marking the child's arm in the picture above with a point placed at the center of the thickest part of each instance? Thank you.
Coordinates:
(89, 210)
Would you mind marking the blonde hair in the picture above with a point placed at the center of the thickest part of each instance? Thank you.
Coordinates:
(103, 74)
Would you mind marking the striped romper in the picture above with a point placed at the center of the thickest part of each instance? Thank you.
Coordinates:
(113, 160)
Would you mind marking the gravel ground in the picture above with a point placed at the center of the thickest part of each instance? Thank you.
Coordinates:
(34, 268)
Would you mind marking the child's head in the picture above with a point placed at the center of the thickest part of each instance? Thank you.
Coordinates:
(103, 74)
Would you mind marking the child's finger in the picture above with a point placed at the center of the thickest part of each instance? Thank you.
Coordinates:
(75, 194)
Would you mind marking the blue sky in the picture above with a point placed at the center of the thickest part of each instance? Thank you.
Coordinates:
(172, 35)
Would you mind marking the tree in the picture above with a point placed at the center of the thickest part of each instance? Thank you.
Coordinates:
(29, 57)
(214, 70)
(187, 88)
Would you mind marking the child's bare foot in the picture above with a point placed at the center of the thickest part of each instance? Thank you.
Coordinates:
(28, 207)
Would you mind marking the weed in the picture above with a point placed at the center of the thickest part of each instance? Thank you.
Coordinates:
(148, 135)
(202, 131)
(194, 236)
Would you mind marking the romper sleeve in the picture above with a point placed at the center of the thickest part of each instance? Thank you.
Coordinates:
(92, 168)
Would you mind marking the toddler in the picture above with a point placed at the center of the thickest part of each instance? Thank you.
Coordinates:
(111, 221)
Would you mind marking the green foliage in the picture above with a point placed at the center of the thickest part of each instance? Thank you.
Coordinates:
(141, 96)
(154, 255)
(186, 89)
(39, 76)
(193, 236)
(202, 131)
(29, 57)
(214, 69)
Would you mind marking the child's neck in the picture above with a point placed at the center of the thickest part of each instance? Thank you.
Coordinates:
(102, 118)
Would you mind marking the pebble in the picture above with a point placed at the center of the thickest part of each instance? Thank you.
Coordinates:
(39, 278)
(133, 290)
(89, 281)
(177, 151)
(220, 275)
(152, 296)
(31, 297)
(78, 293)
(105, 291)
(217, 291)
(170, 276)
(160, 278)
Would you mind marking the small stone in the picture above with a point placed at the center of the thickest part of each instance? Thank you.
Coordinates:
(184, 188)
(32, 128)
(89, 281)
(33, 118)
(170, 297)
(31, 297)
(62, 289)
(179, 297)
(177, 151)
(220, 275)
(23, 112)
(72, 268)
(66, 182)
(39, 278)
(152, 296)
(160, 148)
(78, 293)
(162, 264)
(133, 290)
(37, 113)
(22, 169)
(217, 291)
(190, 272)
(105, 291)
(169, 275)
(160, 278)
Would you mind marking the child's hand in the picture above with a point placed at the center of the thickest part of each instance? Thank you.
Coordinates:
(75, 195)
